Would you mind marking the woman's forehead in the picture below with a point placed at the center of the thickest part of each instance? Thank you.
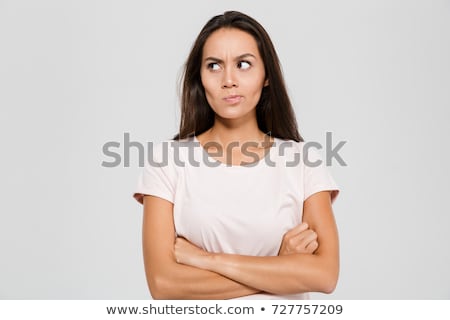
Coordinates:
(229, 42)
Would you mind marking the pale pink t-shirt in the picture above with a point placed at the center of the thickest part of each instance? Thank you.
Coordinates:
(235, 209)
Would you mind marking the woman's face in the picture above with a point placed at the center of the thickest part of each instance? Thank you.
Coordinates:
(232, 73)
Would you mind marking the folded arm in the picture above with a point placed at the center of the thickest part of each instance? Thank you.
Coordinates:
(284, 274)
(168, 279)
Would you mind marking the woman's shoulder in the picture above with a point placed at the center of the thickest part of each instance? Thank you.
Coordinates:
(168, 145)
(288, 145)
(171, 151)
(299, 152)
(298, 146)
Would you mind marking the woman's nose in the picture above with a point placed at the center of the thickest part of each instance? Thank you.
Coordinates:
(229, 79)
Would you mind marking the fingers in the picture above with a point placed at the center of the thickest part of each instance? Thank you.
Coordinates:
(300, 239)
(296, 230)
(307, 236)
(312, 246)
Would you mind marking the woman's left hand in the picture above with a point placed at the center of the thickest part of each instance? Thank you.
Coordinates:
(189, 254)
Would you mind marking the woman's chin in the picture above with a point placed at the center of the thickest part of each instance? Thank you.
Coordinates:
(234, 114)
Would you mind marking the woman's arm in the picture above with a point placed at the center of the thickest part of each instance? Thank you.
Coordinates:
(287, 274)
(165, 277)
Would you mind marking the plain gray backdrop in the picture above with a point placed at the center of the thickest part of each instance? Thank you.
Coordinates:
(75, 75)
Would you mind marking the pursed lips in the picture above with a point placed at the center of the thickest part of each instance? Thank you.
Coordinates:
(232, 98)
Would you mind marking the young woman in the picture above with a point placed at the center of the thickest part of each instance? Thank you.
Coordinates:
(233, 205)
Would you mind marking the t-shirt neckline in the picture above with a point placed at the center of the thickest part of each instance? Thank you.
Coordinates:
(263, 159)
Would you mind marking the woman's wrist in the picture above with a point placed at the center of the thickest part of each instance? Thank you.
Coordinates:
(209, 261)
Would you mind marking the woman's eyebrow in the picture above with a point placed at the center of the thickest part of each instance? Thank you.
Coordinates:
(245, 55)
(240, 57)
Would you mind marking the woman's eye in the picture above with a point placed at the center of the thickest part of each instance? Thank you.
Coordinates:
(244, 65)
(213, 66)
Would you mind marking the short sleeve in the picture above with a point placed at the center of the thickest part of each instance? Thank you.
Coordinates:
(158, 177)
(317, 176)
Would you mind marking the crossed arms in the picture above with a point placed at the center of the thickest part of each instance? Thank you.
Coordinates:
(176, 269)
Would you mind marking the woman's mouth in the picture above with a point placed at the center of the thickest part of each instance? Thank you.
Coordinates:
(232, 99)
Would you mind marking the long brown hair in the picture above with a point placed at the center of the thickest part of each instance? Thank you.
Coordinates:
(274, 112)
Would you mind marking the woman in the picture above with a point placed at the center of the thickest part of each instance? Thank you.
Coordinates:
(230, 207)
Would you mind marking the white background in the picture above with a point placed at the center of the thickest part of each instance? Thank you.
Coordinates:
(77, 74)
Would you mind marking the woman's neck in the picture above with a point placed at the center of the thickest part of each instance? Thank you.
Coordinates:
(225, 134)
(234, 142)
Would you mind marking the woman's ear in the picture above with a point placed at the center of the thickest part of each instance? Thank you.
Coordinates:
(266, 83)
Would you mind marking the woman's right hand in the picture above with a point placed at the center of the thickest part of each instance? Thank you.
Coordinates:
(300, 239)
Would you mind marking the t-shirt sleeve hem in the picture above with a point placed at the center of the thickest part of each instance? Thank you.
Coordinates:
(139, 196)
(334, 192)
